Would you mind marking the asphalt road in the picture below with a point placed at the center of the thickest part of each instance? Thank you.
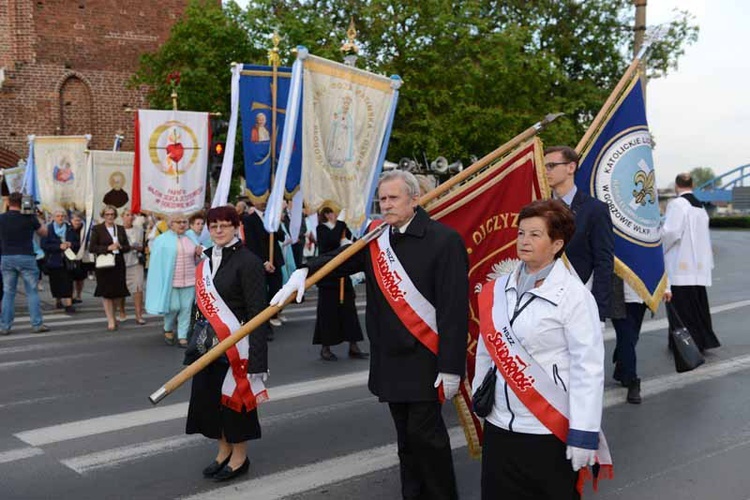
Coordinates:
(75, 421)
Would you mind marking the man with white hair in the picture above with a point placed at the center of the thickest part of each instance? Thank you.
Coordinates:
(417, 321)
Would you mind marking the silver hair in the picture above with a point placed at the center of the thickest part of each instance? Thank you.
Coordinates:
(59, 210)
(175, 216)
(412, 185)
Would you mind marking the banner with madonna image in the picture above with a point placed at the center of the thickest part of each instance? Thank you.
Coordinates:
(171, 161)
(617, 167)
(61, 174)
(346, 115)
(484, 211)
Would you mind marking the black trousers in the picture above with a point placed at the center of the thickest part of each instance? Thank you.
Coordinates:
(628, 330)
(519, 466)
(424, 451)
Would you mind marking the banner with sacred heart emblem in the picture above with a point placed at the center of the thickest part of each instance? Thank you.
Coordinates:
(617, 167)
(171, 161)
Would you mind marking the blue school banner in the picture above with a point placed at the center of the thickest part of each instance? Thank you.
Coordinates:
(258, 117)
(617, 167)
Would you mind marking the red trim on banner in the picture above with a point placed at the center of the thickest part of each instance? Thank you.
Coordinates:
(135, 190)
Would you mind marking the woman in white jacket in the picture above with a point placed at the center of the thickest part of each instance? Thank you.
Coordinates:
(545, 422)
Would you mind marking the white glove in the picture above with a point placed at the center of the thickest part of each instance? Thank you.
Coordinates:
(580, 457)
(258, 377)
(450, 384)
(295, 284)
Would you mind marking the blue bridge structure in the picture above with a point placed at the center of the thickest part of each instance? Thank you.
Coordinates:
(723, 188)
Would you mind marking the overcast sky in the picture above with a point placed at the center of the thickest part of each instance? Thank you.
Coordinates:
(698, 113)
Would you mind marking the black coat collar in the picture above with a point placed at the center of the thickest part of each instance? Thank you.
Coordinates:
(418, 224)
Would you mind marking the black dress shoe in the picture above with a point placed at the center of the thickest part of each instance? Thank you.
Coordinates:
(359, 355)
(215, 467)
(634, 392)
(226, 473)
(327, 355)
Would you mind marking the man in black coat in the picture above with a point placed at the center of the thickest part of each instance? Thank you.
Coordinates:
(591, 251)
(404, 372)
(258, 241)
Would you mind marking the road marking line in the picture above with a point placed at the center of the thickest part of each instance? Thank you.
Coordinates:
(315, 475)
(7, 365)
(116, 457)
(326, 472)
(656, 325)
(110, 423)
(19, 454)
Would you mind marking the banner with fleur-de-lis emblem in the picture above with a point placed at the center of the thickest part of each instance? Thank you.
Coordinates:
(171, 158)
(617, 167)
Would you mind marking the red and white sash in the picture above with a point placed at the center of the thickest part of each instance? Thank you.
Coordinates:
(527, 378)
(411, 307)
(239, 388)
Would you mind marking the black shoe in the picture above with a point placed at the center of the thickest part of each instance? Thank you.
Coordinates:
(359, 355)
(634, 392)
(215, 467)
(327, 355)
(58, 304)
(70, 309)
(77, 301)
(226, 473)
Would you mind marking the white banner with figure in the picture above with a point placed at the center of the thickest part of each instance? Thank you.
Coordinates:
(346, 113)
(171, 161)
(14, 178)
(61, 171)
(112, 173)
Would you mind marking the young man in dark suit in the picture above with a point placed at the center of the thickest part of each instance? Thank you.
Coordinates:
(591, 251)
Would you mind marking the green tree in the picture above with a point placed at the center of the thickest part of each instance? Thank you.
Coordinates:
(701, 175)
(476, 72)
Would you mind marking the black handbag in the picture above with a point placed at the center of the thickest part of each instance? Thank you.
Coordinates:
(71, 265)
(687, 356)
(484, 399)
(201, 340)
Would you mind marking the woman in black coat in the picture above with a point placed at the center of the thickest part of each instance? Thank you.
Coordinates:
(240, 280)
(60, 237)
(336, 320)
(110, 238)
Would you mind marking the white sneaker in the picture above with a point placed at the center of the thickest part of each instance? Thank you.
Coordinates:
(275, 322)
(283, 318)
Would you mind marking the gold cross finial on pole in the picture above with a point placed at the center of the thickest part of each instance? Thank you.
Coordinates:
(273, 54)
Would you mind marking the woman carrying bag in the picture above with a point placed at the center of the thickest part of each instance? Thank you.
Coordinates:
(109, 242)
(231, 289)
(61, 239)
(541, 338)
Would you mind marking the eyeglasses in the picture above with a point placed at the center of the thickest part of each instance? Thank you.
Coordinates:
(180, 221)
(110, 214)
(551, 165)
(216, 227)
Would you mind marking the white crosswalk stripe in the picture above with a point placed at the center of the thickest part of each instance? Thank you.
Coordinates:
(280, 483)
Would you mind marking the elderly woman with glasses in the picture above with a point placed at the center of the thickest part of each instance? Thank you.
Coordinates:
(170, 285)
(234, 276)
(110, 238)
(60, 237)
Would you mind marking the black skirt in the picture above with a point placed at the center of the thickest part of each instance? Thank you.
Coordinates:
(110, 281)
(60, 283)
(691, 303)
(336, 321)
(525, 467)
(206, 414)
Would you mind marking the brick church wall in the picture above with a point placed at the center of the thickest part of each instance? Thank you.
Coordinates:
(67, 64)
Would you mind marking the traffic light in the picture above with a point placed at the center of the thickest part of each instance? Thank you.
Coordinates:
(217, 158)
